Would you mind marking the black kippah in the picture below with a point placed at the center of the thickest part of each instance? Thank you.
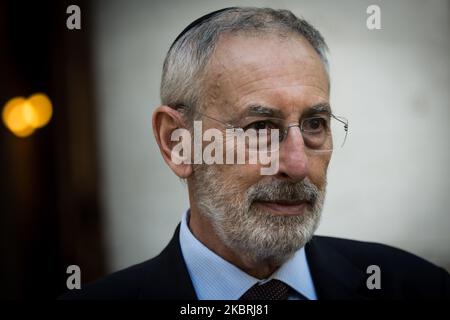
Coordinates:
(200, 21)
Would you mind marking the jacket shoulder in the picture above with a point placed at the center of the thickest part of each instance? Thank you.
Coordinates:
(402, 273)
(362, 251)
(124, 284)
(164, 277)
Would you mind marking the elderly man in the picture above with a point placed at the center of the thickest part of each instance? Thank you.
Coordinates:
(249, 235)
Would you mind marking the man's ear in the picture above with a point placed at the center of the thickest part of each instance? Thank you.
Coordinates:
(165, 121)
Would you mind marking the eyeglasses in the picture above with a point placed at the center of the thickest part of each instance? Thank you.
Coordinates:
(324, 132)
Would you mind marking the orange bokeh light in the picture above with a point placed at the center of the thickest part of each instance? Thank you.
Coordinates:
(23, 116)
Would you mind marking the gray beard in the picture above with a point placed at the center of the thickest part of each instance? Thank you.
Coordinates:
(249, 231)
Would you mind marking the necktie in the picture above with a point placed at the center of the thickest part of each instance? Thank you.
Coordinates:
(271, 290)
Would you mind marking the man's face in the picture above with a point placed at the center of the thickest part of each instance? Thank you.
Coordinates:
(264, 217)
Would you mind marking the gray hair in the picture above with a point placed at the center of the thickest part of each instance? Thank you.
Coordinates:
(186, 60)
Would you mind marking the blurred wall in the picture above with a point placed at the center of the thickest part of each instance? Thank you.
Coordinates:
(50, 215)
(391, 182)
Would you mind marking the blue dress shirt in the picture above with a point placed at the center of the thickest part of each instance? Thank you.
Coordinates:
(214, 278)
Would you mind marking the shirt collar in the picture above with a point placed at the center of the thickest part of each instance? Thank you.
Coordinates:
(214, 278)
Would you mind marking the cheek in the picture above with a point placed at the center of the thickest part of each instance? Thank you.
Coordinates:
(242, 176)
(318, 167)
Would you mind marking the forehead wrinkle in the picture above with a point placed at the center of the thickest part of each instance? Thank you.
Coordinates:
(256, 71)
(294, 101)
(224, 84)
(283, 79)
(230, 60)
(237, 101)
(260, 73)
(296, 50)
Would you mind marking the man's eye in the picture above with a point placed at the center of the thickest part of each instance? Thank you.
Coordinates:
(314, 124)
(260, 125)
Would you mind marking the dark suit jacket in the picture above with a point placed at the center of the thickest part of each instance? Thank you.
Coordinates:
(338, 268)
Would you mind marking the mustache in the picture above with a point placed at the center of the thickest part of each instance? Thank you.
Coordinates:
(284, 191)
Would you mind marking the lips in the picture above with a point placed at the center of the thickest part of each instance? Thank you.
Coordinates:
(283, 208)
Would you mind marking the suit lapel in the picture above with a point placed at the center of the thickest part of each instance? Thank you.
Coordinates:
(334, 276)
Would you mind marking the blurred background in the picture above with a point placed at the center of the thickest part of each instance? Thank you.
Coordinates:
(83, 182)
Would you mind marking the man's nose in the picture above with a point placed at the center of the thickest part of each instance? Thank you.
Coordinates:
(293, 158)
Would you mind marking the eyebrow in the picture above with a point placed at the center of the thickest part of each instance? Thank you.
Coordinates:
(318, 108)
(261, 110)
